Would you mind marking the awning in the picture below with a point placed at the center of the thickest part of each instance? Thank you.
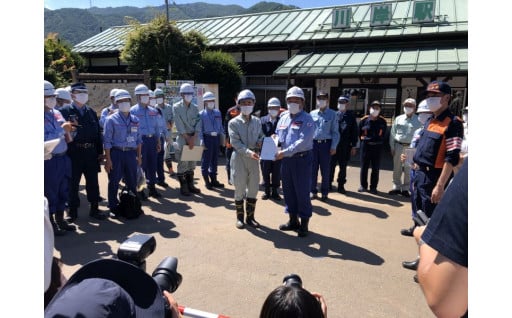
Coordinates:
(375, 62)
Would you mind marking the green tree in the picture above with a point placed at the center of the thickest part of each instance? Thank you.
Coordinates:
(59, 61)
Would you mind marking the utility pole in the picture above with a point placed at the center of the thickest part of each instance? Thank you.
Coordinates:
(167, 9)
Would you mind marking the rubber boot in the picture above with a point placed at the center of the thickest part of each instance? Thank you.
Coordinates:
(266, 195)
(152, 191)
(183, 185)
(190, 181)
(207, 183)
(96, 213)
(250, 207)
(292, 225)
(59, 219)
(57, 231)
(239, 206)
(275, 194)
(303, 228)
(216, 183)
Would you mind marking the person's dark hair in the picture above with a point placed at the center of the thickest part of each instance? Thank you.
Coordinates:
(291, 302)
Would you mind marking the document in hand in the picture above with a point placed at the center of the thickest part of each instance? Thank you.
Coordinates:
(193, 154)
(269, 148)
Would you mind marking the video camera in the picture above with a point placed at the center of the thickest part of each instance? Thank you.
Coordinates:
(292, 280)
(421, 218)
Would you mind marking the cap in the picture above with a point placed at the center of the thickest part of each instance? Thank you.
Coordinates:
(375, 102)
(274, 102)
(62, 93)
(343, 98)
(122, 94)
(245, 94)
(295, 91)
(322, 94)
(78, 86)
(141, 89)
(410, 101)
(49, 89)
(439, 87)
(113, 92)
(208, 96)
(423, 107)
(159, 92)
(186, 88)
(108, 288)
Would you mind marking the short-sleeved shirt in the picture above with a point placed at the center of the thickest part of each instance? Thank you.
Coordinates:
(53, 121)
(148, 119)
(326, 126)
(121, 131)
(295, 133)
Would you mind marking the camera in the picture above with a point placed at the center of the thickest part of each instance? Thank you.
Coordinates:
(292, 280)
(421, 218)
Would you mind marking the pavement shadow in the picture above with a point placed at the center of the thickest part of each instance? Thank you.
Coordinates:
(380, 198)
(349, 207)
(317, 245)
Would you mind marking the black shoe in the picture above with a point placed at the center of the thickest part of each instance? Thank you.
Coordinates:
(142, 195)
(374, 191)
(361, 189)
(153, 193)
(314, 196)
(216, 184)
(412, 265)
(114, 213)
(408, 232)
(101, 199)
(72, 215)
(406, 194)
(275, 195)
(416, 278)
(265, 196)
(98, 215)
(341, 189)
(394, 192)
(324, 198)
(163, 184)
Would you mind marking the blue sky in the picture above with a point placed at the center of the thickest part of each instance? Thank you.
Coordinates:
(58, 4)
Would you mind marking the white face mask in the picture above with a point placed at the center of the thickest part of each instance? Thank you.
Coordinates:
(160, 100)
(82, 98)
(152, 102)
(342, 107)
(273, 112)
(210, 105)
(433, 103)
(374, 112)
(294, 108)
(408, 110)
(321, 103)
(188, 97)
(423, 117)
(246, 110)
(144, 99)
(50, 102)
(65, 105)
(124, 107)
(465, 118)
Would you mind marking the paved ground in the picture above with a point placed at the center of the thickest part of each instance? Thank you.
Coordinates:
(353, 254)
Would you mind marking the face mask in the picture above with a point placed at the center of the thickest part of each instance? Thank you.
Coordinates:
(465, 118)
(210, 105)
(246, 110)
(408, 110)
(342, 107)
(159, 100)
(50, 102)
(374, 112)
(321, 103)
(144, 99)
(273, 112)
(124, 107)
(434, 103)
(188, 98)
(293, 108)
(152, 102)
(423, 117)
(65, 105)
(82, 98)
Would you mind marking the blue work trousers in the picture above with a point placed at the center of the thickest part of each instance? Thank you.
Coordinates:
(160, 176)
(296, 178)
(149, 159)
(124, 166)
(322, 160)
(210, 156)
(424, 182)
(57, 175)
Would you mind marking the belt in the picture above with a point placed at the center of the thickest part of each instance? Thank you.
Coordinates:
(301, 154)
(319, 141)
(85, 145)
(213, 134)
(403, 143)
(124, 148)
(426, 168)
(58, 154)
(372, 143)
(148, 136)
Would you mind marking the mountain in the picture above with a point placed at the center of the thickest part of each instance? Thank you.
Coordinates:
(95, 20)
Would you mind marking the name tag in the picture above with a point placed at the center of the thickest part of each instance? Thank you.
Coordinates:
(214, 133)
(134, 129)
(130, 139)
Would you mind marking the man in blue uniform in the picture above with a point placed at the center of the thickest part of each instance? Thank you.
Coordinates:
(149, 127)
(325, 140)
(372, 129)
(212, 135)
(347, 127)
(57, 169)
(85, 152)
(295, 130)
(271, 169)
(164, 156)
(123, 148)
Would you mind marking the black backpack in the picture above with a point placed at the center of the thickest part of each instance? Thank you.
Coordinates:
(129, 205)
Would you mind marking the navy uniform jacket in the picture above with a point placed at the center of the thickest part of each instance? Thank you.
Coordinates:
(347, 126)
(267, 126)
(89, 130)
(372, 131)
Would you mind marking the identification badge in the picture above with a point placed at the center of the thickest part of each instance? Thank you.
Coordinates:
(214, 133)
(130, 139)
(134, 129)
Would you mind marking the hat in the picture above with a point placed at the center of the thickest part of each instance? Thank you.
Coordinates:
(62, 93)
(108, 288)
(121, 94)
(295, 91)
(141, 89)
(208, 96)
(322, 94)
(343, 98)
(375, 102)
(410, 101)
(49, 89)
(274, 102)
(78, 86)
(439, 87)
(159, 92)
(423, 107)
(112, 92)
(186, 88)
(246, 94)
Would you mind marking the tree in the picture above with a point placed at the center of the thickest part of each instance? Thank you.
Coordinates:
(59, 61)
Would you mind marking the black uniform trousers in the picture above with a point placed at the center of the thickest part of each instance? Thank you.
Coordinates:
(370, 157)
(84, 161)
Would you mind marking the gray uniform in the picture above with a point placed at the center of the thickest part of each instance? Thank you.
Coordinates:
(245, 171)
(187, 121)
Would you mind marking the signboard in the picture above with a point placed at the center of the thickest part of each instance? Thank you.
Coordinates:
(341, 18)
(380, 14)
(423, 11)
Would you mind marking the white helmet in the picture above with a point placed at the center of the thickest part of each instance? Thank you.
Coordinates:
(159, 92)
(62, 93)
(151, 93)
(186, 88)
(274, 101)
(208, 96)
(113, 92)
(49, 89)
(295, 91)
(423, 107)
(246, 94)
(141, 89)
(121, 94)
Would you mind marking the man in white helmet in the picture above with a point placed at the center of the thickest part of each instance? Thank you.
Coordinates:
(295, 130)
(166, 111)
(212, 135)
(188, 126)
(271, 169)
(63, 98)
(246, 138)
(150, 131)
(110, 109)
